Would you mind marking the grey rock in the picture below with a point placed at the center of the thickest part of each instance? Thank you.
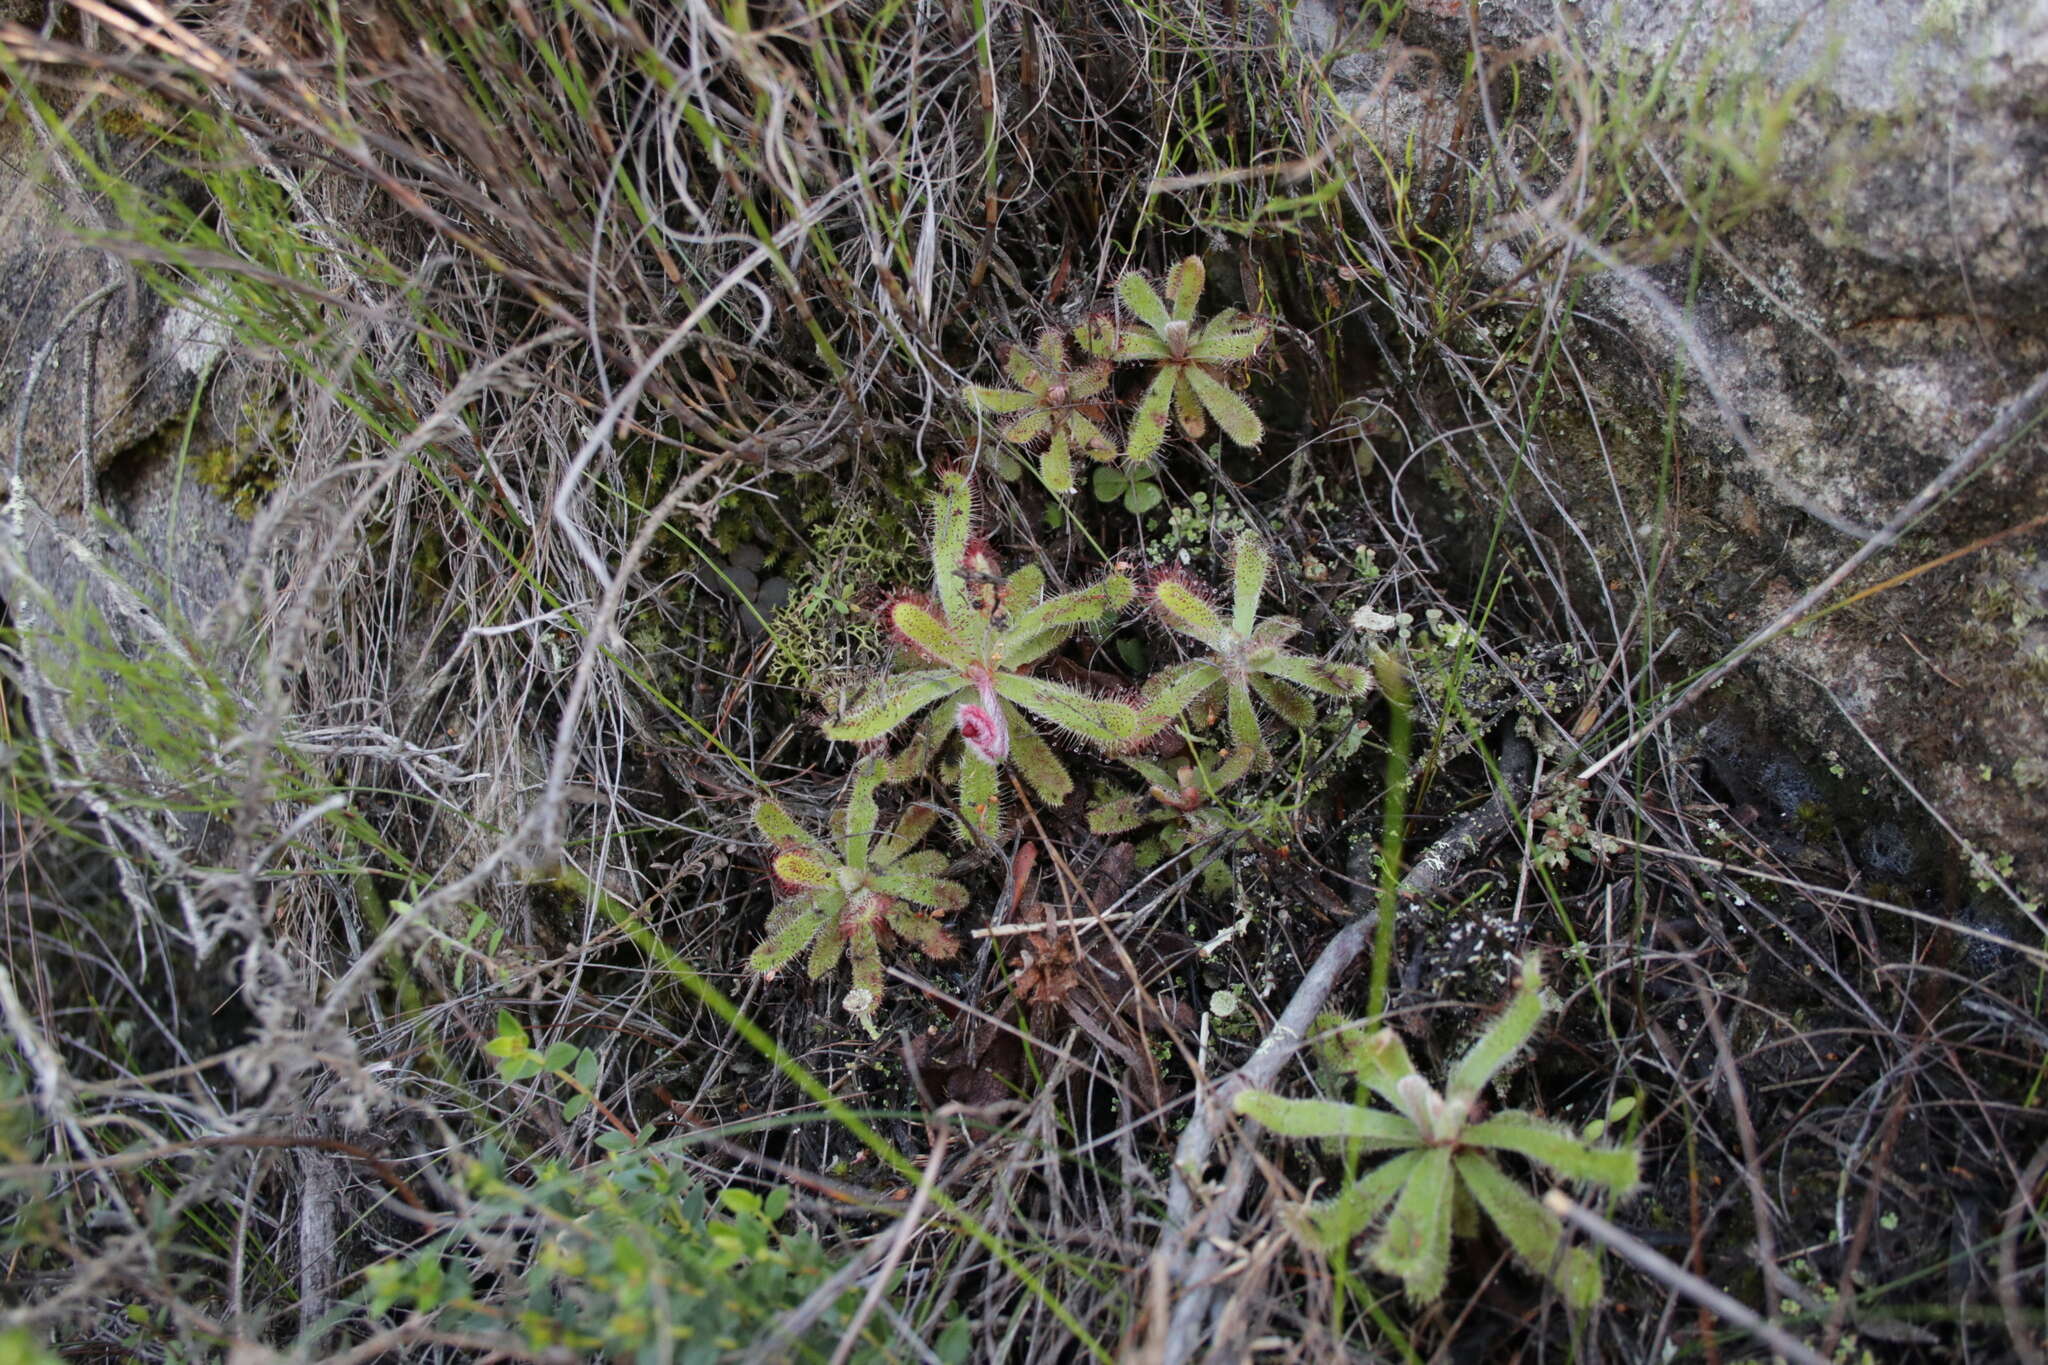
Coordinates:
(116, 372)
(1839, 345)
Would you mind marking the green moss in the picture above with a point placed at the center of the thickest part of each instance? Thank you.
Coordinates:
(240, 470)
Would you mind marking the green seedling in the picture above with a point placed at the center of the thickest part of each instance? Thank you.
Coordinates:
(970, 653)
(1247, 656)
(1444, 1169)
(850, 895)
(1190, 382)
(1134, 487)
(1055, 401)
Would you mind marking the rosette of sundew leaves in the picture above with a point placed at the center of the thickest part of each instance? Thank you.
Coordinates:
(1190, 382)
(970, 648)
(1055, 401)
(850, 894)
(1247, 656)
(1442, 1156)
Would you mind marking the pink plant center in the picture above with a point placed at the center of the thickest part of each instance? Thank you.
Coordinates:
(984, 733)
(982, 727)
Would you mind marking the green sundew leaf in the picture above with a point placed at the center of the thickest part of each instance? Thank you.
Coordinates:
(952, 528)
(866, 952)
(1099, 337)
(1184, 280)
(1092, 439)
(1274, 631)
(801, 867)
(1380, 1061)
(933, 892)
(1183, 607)
(1117, 814)
(1337, 1221)
(928, 863)
(1504, 1038)
(1228, 338)
(1560, 1149)
(861, 815)
(981, 804)
(1244, 722)
(1024, 652)
(1249, 568)
(1138, 295)
(1036, 761)
(773, 820)
(1070, 609)
(1051, 350)
(1022, 431)
(1318, 675)
(1375, 1128)
(1102, 721)
(1176, 687)
(1533, 1231)
(1148, 423)
(1464, 1213)
(783, 944)
(915, 622)
(1234, 767)
(1056, 466)
(910, 762)
(997, 400)
(1288, 702)
(891, 701)
(1023, 369)
(929, 936)
(1142, 496)
(1231, 412)
(829, 948)
(1026, 586)
(910, 831)
(1132, 344)
(1187, 405)
(1154, 774)
(1416, 1244)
